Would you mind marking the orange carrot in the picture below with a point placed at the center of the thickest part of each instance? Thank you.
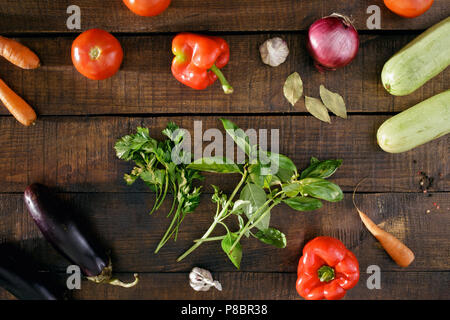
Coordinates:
(399, 252)
(16, 105)
(18, 54)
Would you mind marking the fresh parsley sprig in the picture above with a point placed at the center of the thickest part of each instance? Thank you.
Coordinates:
(155, 167)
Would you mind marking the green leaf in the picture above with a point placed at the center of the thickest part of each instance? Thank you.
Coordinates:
(238, 135)
(292, 189)
(254, 174)
(257, 198)
(272, 236)
(123, 148)
(293, 88)
(130, 179)
(322, 189)
(191, 200)
(321, 169)
(236, 255)
(215, 164)
(218, 197)
(240, 206)
(283, 167)
(153, 177)
(171, 131)
(303, 203)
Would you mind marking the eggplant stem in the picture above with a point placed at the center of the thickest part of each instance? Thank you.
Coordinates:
(106, 277)
(117, 282)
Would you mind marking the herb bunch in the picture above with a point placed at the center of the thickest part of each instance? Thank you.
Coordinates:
(262, 187)
(154, 165)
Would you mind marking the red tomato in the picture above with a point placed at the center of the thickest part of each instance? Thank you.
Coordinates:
(147, 8)
(97, 54)
(408, 8)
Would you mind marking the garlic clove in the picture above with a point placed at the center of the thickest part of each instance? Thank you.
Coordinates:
(217, 285)
(202, 280)
(274, 51)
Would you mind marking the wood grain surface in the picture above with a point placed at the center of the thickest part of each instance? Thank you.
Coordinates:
(31, 16)
(145, 84)
(122, 223)
(71, 146)
(77, 154)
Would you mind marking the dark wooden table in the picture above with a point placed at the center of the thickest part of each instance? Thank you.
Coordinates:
(71, 146)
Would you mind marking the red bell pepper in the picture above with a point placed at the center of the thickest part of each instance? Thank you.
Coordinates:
(198, 60)
(326, 270)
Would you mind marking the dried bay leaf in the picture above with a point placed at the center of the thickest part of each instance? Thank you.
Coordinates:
(293, 88)
(317, 109)
(334, 102)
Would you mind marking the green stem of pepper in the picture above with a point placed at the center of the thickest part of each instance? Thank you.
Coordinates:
(227, 88)
(325, 273)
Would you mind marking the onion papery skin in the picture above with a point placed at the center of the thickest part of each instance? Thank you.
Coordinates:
(333, 42)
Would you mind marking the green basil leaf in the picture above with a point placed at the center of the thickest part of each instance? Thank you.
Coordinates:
(283, 167)
(292, 189)
(272, 236)
(238, 135)
(321, 169)
(254, 174)
(236, 255)
(257, 198)
(214, 164)
(322, 189)
(240, 206)
(303, 203)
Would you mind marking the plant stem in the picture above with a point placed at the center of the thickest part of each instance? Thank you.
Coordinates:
(249, 225)
(227, 88)
(216, 219)
(168, 233)
(197, 244)
(210, 239)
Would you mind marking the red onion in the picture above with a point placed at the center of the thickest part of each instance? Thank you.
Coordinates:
(332, 42)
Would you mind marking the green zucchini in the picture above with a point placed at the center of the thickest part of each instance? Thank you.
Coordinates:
(422, 59)
(427, 120)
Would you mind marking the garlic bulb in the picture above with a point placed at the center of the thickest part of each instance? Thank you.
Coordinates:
(274, 51)
(202, 280)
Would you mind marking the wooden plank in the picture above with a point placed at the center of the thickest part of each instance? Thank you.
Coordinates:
(264, 286)
(121, 222)
(146, 85)
(76, 154)
(211, 15)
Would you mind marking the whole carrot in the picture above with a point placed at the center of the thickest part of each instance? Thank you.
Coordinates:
(398, 251)
(16, 105)
(18, 54)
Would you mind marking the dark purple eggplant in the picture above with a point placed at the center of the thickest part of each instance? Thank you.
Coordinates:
(19, 276)
(58, 224)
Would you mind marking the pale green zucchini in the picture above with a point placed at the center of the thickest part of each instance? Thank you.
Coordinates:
(427, 120)
(422, 59)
